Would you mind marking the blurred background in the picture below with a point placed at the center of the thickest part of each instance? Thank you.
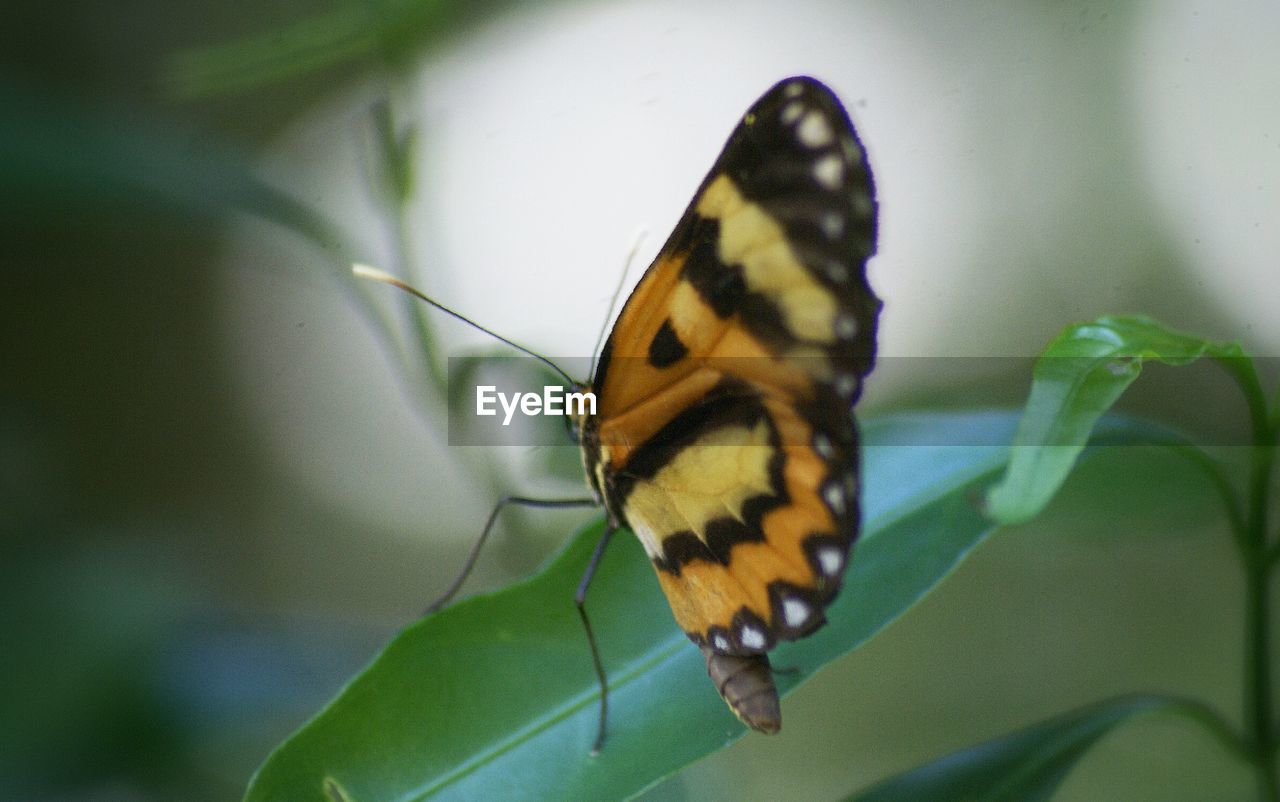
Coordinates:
(224, 472)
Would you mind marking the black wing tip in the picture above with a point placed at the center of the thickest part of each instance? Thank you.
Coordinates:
(798, 87)
(805, 81)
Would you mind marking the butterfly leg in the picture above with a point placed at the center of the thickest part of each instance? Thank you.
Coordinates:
(580, 599)
(541, 503)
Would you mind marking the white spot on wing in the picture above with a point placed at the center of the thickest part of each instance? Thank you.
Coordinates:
(831, 560)
(720, 642)
(845, 385)
(794, 89)
(814, 131)
(837, 271)
(846, 326)
(792, 111)
(795, 612)
(829, 171)
(863, 205)
(822, 444)
(834, 497)
(751, 637)
(833, 225)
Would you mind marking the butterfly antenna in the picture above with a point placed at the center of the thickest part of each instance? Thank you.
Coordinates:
(636, 242)
(374, 274)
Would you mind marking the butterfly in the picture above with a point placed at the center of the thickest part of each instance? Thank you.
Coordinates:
(723, 435)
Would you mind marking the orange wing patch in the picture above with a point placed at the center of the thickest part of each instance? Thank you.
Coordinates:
(747, 537)
(724, 437)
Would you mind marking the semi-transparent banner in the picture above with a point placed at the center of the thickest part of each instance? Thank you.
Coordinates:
(519, 401)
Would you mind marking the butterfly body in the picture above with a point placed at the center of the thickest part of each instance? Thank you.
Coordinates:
(723, 435)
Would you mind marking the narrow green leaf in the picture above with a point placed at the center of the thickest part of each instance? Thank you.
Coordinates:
(1026, 765)
(1080, 376)
(495, 695)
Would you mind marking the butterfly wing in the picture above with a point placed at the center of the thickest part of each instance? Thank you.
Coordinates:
(723, 436)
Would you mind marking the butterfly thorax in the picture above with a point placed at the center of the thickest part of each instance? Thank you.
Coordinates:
(586, 431)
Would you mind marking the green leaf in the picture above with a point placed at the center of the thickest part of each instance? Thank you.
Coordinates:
(1078, 378)
(1026, 765)
(390, 31)
(495, 696)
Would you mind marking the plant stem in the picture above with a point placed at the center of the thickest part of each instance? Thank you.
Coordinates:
(1259, 559)
(1258, 701)
(394, 155)
(435, 363)
(1259, 709)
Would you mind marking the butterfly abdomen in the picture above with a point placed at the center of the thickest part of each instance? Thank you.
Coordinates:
(746, 685)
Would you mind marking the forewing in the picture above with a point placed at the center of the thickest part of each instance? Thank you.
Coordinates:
(724, 437)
